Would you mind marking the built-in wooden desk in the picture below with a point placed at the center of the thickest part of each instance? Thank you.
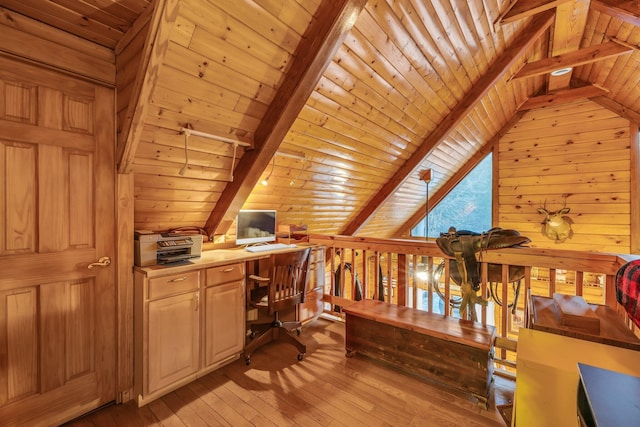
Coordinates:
(190, 317)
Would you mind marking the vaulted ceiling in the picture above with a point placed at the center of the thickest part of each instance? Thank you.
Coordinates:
(341, 104)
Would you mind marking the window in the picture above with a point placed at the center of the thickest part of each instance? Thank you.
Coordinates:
(466, 207)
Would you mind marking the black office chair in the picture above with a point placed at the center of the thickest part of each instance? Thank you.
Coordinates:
(287, 287)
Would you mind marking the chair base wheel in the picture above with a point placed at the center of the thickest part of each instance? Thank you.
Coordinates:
(300, 356)
(247, 360)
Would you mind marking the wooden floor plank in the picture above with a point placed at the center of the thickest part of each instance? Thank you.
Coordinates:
(163, 413)
(222, 410)
(254, 393)
(130, 415)
(276, 393)
(249, 412)
(325, 389)
(199, 403)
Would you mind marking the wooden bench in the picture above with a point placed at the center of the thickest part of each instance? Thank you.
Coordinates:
(453, 352)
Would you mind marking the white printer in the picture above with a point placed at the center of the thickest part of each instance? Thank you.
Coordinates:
(163, 248)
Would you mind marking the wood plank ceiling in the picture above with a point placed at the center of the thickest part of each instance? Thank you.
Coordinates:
(369, 93)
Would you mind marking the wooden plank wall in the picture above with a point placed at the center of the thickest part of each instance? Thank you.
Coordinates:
(221, 71)
(127, 65)
(26, 38)
(578, 154)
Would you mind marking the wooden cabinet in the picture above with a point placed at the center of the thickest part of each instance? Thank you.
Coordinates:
(167, 330)
(191, 319)
(186, 325)
(224, 314)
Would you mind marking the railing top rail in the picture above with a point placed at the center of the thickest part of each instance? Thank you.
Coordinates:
(403, 246)
(596, 262)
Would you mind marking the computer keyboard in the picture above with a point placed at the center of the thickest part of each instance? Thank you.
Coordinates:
(269, 247)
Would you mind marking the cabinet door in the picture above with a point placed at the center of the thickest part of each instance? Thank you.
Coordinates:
(224, 321)
(173, 339)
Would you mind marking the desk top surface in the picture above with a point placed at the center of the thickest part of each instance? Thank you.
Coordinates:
(215, 258)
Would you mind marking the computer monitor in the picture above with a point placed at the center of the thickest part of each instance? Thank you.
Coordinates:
(255, 226)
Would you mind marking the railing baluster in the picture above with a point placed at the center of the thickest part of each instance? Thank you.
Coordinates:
(376, 274)
(342, 273)
(527, 291)
(447, 288)
(365, 274)
(579, 283)
(610, 291)
(430, 271)
(414, 280)
(403, 274)
(332, 256)
(352, 282)
(504, 309)
(484, 274)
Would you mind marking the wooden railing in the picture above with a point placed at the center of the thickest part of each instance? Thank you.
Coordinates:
(402, 272)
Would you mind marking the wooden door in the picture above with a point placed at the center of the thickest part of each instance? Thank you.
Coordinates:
(57, 193)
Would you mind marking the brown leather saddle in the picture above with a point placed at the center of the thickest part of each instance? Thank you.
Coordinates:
(468, 243)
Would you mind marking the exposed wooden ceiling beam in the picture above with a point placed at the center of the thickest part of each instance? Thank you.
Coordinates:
(521, 9)
(586, 55)
(621, 110)
(571, 19)
(156, 44)
(441, 193)
(627, 11)
(321, 41)
(563, 96)
(538, 25)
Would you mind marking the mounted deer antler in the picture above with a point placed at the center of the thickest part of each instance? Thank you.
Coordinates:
(556, 225)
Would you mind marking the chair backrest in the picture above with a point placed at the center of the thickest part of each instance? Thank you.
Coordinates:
(288, 279)
(628, 289)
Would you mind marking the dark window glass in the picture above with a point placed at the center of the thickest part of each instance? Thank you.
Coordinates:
(466, 207)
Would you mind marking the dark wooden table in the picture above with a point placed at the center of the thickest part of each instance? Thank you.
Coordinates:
(543, 316)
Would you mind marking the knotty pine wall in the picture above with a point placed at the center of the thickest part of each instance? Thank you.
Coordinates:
(578, 154)
(127, 66)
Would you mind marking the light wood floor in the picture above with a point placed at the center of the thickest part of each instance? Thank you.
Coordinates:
(325, 389)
